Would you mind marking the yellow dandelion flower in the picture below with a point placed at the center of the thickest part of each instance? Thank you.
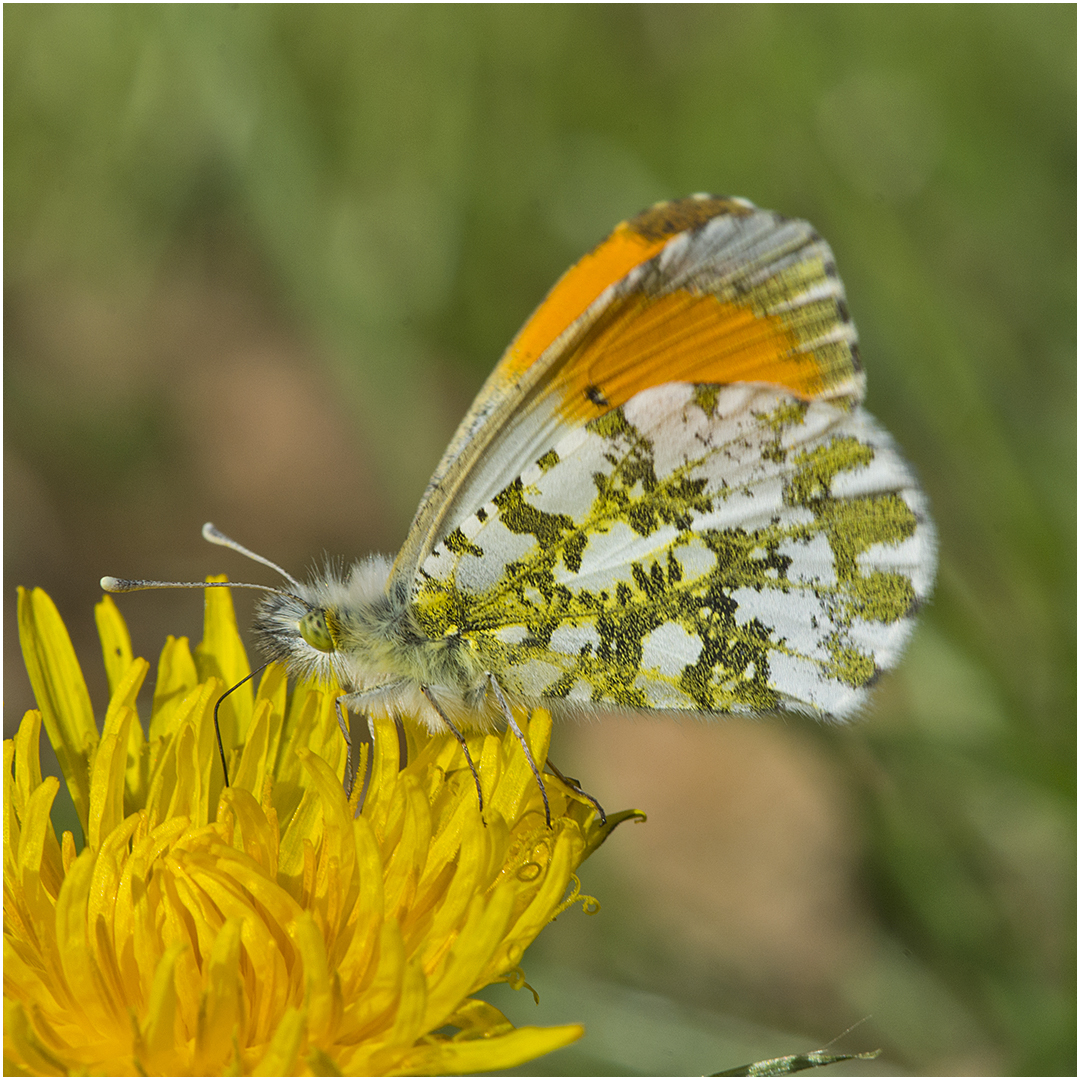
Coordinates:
(265, 927)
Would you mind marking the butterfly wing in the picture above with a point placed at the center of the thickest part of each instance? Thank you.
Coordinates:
(667, 494)
(701, 290)
(715, 548)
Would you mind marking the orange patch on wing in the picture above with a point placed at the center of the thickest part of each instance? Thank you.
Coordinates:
(574, 292)
(630, 244)
(643, 341)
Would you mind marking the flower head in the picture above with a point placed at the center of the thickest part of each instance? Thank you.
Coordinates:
(265, 927)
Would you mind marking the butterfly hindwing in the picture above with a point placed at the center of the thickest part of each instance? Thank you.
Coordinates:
(715, 548)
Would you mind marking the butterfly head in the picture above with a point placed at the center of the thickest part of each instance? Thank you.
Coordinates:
(323, 627)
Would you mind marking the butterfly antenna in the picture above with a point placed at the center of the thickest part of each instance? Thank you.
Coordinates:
(212, 533)
(215, 536)
(119, 585)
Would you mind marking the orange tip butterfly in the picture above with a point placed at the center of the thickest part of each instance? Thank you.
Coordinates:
(667, 496)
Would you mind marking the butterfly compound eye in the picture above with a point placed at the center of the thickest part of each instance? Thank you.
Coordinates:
(315, 630)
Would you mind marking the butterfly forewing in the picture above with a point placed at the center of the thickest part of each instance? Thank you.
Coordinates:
(703, 290)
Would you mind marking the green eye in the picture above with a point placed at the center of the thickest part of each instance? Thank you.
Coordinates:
(315, 630)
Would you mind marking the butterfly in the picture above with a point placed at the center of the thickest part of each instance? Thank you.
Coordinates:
(666, 496)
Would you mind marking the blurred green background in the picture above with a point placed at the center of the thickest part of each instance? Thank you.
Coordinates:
(258, 260)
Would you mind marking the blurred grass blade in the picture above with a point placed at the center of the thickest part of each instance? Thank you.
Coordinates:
(793, 1063)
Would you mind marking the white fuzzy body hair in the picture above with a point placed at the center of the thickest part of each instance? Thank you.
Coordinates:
(383, 660)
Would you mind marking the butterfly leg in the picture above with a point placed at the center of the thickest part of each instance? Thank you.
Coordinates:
(573, 785)
(217, 726)
(460, 738)
(350, 775)
(512, 724)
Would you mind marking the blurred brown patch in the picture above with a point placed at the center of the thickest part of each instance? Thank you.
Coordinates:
(746, 865)
(132, 418)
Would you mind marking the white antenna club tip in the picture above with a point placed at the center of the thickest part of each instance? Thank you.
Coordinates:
(110, 584)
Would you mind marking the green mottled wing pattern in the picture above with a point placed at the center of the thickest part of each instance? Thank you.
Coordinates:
(726, 549)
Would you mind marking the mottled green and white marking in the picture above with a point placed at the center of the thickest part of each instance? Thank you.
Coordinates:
(719, 549)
